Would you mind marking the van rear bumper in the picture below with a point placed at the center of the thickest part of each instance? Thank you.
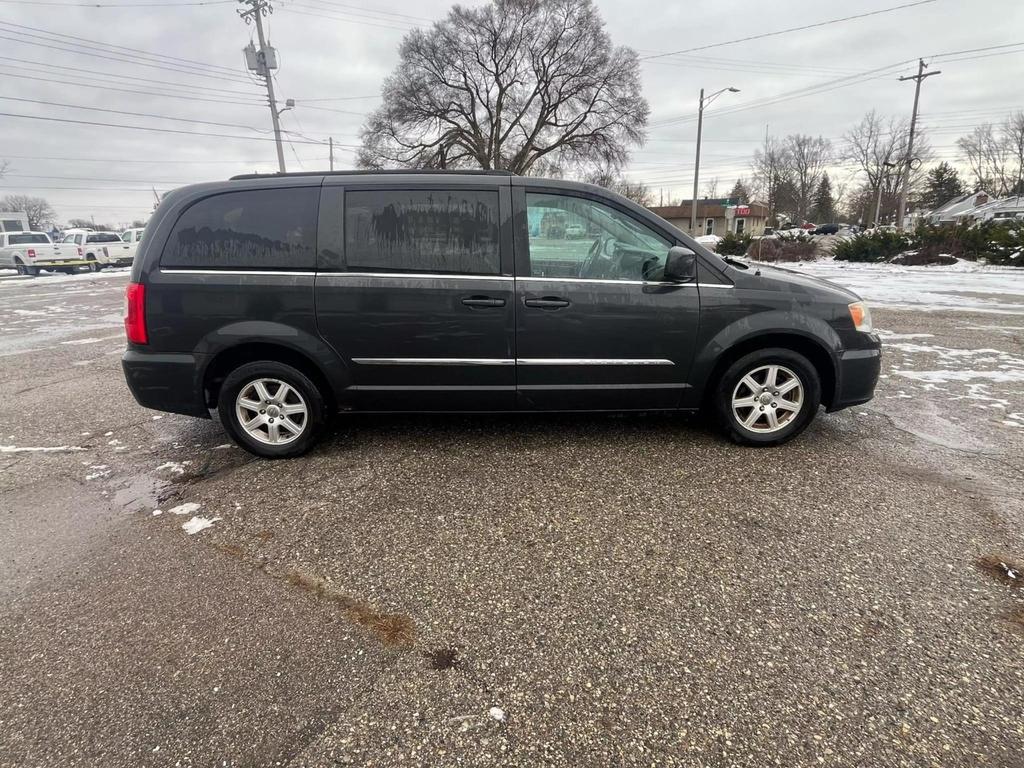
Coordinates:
(164, 382)
(858, 375)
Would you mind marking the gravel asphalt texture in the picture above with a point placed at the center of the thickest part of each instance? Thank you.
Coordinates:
(496, 591)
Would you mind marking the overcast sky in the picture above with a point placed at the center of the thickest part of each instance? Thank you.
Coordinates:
(342, 49)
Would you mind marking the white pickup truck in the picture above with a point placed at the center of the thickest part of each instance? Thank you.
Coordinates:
(28, 252)
(99, 249)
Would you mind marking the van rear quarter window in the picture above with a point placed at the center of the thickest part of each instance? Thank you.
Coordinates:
(445, 231)
(251, 229)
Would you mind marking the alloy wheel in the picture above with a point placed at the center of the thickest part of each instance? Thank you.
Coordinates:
(767, 399)
(271, 411)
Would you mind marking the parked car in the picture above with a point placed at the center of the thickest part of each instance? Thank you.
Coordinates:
(826, 229)
(99, 249)
(574, 231)
(279, 301)
(709, 241)
(29, 252)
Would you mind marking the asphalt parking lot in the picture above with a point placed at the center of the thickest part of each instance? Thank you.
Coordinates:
(558, 591)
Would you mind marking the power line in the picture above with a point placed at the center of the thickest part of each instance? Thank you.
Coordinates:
(791, 29)
(190, 86)
(115, 5)
(118, 57)
(292, 9)
(134, 52)
(131, 114)
(106, 87)
(149, 128)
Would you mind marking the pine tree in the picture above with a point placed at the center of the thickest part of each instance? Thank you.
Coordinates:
(824, 209)
(941, 185)
(739, 192)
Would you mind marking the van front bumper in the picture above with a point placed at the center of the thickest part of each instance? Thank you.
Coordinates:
(165, 382)
(858, 375)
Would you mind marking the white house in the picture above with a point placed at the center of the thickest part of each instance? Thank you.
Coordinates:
(957, 209)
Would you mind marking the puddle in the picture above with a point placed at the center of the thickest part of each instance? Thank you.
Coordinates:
(1005, 570)
(141, 493)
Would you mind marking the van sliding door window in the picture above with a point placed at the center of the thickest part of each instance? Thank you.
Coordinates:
(422, 231)
(252, 229)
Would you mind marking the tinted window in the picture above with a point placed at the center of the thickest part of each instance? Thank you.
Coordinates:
(575, 237)
(12, 225)
(103, 237)
(255, 229)
(26, 239)
(422, 231)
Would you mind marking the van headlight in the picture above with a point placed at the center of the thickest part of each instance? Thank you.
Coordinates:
(861, 316)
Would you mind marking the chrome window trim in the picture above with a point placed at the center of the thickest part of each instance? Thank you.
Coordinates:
(420, 275)
(287, 272)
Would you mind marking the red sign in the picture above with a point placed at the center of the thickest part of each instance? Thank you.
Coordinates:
(742, 210)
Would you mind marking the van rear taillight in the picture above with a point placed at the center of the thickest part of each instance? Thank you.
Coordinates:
(135, 313)
(31, 253)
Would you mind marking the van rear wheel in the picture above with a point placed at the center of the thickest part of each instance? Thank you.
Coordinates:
(271, 409)
(767, 397)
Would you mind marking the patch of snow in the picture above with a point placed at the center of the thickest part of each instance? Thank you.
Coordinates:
(90, 340)
(157, 512)
(185, 509)
(944, 377)
(497, 713)
(197, 524)
(176, 467)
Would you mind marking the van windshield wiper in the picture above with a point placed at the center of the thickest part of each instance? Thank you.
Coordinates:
(733, 263)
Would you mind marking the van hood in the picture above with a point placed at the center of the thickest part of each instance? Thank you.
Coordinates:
(779, 278)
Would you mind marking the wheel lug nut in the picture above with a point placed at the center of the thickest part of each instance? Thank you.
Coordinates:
(262, 411)
(762, 407)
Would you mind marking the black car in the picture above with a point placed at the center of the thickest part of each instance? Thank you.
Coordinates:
(826, 229)
(281, 300)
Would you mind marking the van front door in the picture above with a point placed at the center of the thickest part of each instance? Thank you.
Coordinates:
(597, 327)
(414, 290)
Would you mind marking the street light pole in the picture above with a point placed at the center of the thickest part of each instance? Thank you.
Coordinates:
(696, 166)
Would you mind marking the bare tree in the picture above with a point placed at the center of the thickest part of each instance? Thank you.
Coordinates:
(996, 156)
(711, 187)
(608, 177)
(37, 209)
(771, 173)
(808, 157)
(878, 149)
(4, 165)
(510, 85)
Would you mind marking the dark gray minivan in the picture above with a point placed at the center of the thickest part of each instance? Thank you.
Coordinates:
(280, 300)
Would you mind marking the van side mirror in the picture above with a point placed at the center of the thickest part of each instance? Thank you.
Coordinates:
(681, 265)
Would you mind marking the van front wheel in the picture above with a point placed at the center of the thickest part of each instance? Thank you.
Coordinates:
(767, 397)
(271, 409)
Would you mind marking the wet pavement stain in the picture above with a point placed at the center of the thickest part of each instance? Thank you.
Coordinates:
(1006, 570)
(443, 659)
(391, 629)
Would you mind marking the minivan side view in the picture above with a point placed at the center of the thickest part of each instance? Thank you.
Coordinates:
(279, 301)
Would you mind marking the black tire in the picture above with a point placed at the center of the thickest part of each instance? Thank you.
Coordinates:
(93, 266)
(24, 269)
(313, 423)
(729, 383)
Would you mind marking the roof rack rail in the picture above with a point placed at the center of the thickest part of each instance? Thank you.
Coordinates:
(386, 172)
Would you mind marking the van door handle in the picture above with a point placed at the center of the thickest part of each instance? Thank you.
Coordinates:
(483, 301)
(548, 302)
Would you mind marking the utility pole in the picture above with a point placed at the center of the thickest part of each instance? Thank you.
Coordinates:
(696, 166)
(265, 61)
(330, 141)
(905, 179)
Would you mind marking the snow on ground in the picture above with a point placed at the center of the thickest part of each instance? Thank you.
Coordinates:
(197, 524)
(963, 286)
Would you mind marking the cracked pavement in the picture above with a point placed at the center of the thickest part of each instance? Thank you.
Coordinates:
(557, 591)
